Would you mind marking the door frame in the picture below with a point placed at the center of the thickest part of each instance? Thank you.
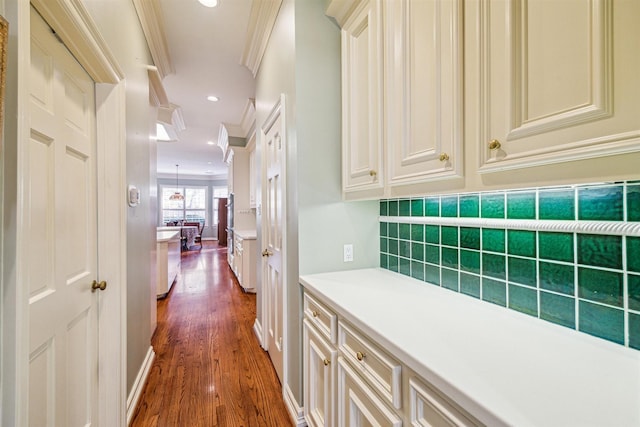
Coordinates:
(75, 27)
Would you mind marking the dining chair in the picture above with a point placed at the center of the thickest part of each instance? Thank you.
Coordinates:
(198, 238)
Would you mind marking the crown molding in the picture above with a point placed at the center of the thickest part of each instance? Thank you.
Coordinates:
(152, 22)
(73, 24)
(248, 119)
(261, 21)
(157, 95)
(340, 10)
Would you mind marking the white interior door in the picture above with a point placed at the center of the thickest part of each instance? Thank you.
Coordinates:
(60, 253)
(273, 236)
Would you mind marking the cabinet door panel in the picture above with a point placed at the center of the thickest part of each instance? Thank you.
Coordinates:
(424, 89)
(547, 81)
(361, 98)
(319, 378)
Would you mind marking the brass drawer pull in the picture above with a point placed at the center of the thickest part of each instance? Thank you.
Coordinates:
(444, 157)
(360, 355)
(314, 313)
(494, 144)
(326, 362)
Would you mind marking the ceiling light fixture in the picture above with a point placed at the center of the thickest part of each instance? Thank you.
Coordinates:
(177, 195)
(209, 3)
(213, 98)
(210, 142)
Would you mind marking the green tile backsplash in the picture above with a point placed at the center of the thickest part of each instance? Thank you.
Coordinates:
(541, 252)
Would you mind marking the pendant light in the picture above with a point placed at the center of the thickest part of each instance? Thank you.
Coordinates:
(177, 195)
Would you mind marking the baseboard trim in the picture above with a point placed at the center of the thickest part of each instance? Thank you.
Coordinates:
(257, 329)
(295, 411)
(138, 385)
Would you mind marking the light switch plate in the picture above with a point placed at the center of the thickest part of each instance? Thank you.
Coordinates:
(348, 253)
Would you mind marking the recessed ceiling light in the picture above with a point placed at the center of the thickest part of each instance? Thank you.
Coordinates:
(209, 3)
(208, 163)
(213, 98)
(210, 172)
(210, 142)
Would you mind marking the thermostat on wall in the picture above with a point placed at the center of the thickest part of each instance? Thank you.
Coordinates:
(134, 196)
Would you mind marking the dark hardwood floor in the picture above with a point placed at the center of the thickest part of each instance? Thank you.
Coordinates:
(209, 368)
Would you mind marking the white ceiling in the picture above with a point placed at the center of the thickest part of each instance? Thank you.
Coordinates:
(205, 46)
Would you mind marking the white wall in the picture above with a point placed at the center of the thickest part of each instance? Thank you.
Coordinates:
(302, 61)
(8, 164)
(120, 27)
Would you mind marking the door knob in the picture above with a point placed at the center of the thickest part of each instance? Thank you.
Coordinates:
(101, 285)
(267, 252)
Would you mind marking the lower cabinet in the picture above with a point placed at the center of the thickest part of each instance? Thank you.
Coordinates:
(358, 404)
(244, 265)
(319, 378)
(429, 408)
(350, 380)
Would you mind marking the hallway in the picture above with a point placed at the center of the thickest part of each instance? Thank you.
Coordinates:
(209, 368)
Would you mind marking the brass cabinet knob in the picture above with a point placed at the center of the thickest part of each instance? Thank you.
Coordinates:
(444, 157)
(360, 355)
(373, 173)
(494, 144)
(95, 285)
(326, 362)
(267, 252)
(314, 313)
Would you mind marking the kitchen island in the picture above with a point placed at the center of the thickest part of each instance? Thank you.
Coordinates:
(168, 260)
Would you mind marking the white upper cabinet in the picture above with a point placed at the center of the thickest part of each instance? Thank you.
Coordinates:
(402, 97)
(423, 79)
(362, 99)
(558, 80)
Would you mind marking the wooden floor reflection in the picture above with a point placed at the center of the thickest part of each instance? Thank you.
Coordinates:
(209, 368)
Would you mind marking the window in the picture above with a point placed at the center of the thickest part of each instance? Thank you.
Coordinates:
(191, 209)
(218, 192)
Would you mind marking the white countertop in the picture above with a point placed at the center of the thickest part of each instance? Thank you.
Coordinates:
(165, 236)
(246, 234)
(504, 367)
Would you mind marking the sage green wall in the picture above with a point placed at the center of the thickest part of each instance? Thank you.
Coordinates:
(119, 25)
(302, 60)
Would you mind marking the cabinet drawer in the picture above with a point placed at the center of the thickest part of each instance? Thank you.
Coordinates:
(431, 408)
(380, 370)
(321, 317)
(358, 404)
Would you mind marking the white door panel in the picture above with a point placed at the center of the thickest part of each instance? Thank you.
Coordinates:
(61, 236)
(274, 148)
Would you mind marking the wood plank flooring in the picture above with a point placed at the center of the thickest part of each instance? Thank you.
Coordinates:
(209, 368)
